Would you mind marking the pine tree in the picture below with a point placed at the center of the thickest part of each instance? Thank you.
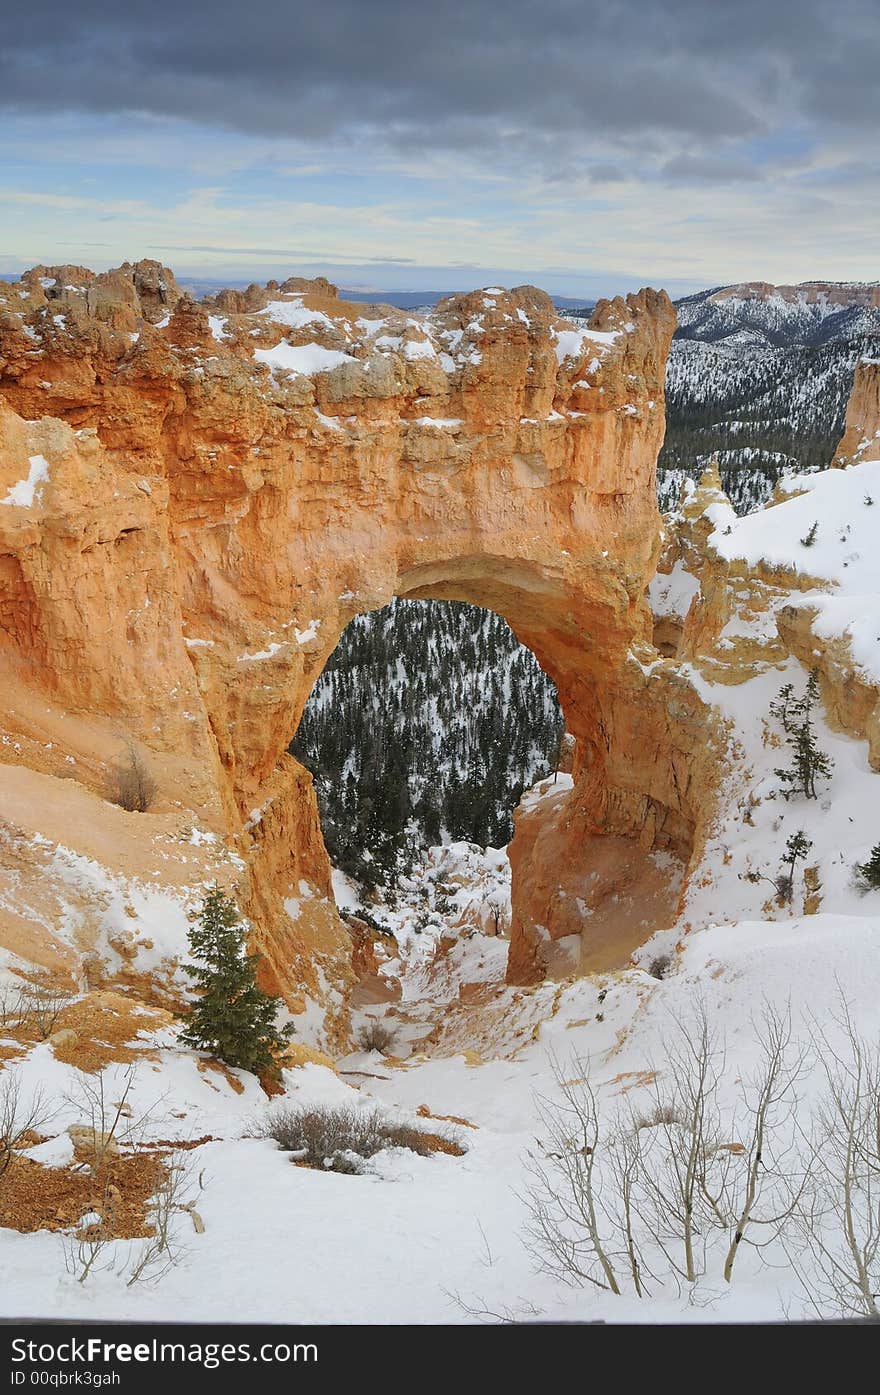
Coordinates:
(796, 849)
(232, 1018)
(808, 761)
(868, 873)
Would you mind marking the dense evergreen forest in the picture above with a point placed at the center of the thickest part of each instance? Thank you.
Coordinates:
(762, 412)
(428, 722)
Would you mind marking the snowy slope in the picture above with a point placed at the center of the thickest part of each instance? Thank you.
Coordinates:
(841, 506)
(441, 1239)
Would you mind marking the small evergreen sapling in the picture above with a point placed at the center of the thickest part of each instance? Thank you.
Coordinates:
(808, 761)
(796, 849)
(810, 537)
(232, 1018)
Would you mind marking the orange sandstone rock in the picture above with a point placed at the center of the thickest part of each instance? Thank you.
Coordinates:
(861, 431)
(221, 487)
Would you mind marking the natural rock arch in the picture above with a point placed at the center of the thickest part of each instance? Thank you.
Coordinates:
(210, 523)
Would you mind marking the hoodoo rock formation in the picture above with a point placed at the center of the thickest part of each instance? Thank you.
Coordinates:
(195, 499)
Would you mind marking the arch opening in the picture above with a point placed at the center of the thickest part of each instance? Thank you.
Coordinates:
(426, 726)
(598, 858)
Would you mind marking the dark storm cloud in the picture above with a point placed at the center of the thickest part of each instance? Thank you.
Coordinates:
(445, 75)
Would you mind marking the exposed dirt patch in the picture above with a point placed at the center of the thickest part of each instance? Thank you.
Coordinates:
(34, 1197)
(436, 1143)
(107, 1025)
(177, 1145)
(633, 1079)
(149, 989)
(425, 1113)
(219, 1068)
(296, 1053)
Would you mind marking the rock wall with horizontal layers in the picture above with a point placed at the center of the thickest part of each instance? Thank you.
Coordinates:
(866, 294)
(195, 499)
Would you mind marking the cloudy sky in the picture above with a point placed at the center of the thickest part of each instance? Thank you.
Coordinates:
(590, 147)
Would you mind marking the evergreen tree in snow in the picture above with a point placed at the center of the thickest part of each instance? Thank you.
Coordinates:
(868, 872)
(232, 1018)
(808, 762)
(796, 849)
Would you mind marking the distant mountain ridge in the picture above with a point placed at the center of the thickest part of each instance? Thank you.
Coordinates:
(757, 314)
(199, 287)
(759, 376)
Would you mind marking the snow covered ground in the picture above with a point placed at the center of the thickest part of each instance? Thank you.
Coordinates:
(443, 1238)
(440, 1239)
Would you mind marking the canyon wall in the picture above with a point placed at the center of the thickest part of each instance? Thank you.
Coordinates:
(861, 431)
(809, 292)
(195, 499)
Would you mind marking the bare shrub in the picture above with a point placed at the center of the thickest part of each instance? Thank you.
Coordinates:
(84, 1250)
(685, 1161)
(625, 1159)
(839, 1216)
(569, 1225)
(42, 1002)
(659, 1113)
(674, 1191)
(772, 1182)
(93, 1247)
(12, 1012)
(600, 1196)
(339, 1138)
(131, 785)
(164, 1249)
(375, 1035)
(661, 966)
(19, 1117)
(108, 1122)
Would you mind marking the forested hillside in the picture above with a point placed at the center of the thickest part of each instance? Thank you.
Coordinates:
(762, 411)
(429, 721)
(760, 376)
